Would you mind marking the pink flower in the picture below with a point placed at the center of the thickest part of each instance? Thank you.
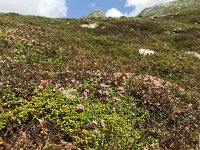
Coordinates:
(80, 85)
(87, 90)
(85, 94)
(113, 109)
(98, 73)
(128, 75)
(58, 85)
(152, 146)
(104, 85)
(94, 122)
(100, 92)
(44, 83)
(80, 107)
(88, 72)
(157, 83)
(102, 123)
(106, 93)
(117, 75)
(121, 89)
(104, 73)
(115, 99)
(190, 105)
(73, 81)
(121, 95)
(103, 92)
(146, 78)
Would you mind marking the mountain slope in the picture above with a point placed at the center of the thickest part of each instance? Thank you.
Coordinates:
(66, 86)
(97, 14)
(172, 8)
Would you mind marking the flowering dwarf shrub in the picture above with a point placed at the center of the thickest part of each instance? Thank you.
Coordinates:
(171, 111)
(98, 120)
(131, 113)
(65, 87)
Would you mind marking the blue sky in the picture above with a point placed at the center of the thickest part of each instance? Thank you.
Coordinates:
(76, 8)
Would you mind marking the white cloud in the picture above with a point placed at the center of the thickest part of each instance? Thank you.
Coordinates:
(48, 8)
(138, 5)
(113, 12)
(142, 4)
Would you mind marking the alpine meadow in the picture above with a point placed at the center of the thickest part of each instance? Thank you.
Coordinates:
(101, 83)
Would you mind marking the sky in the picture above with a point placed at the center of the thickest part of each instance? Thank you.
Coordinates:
(76, 8)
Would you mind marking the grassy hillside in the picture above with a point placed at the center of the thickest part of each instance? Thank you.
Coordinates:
(67, 87)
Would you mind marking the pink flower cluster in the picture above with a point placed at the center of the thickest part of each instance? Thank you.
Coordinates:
(106, 93)
(118, 75)
(43, 84)
(102, 123)
(80, 107)
(123, 75)
(73, 81)
(58, 87)
(115, 99)
(85, 94)
(157, 83)
(98, 73)
(104, 85)
(121, 90)
(94, 122)
(81, 86)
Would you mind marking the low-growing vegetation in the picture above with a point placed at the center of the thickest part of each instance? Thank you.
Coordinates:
(67, 87)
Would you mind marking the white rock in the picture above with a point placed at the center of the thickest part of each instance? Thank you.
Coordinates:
(194, 54)
(91, 25)
(146, 52)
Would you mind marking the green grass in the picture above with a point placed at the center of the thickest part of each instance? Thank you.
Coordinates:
(38, 54)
